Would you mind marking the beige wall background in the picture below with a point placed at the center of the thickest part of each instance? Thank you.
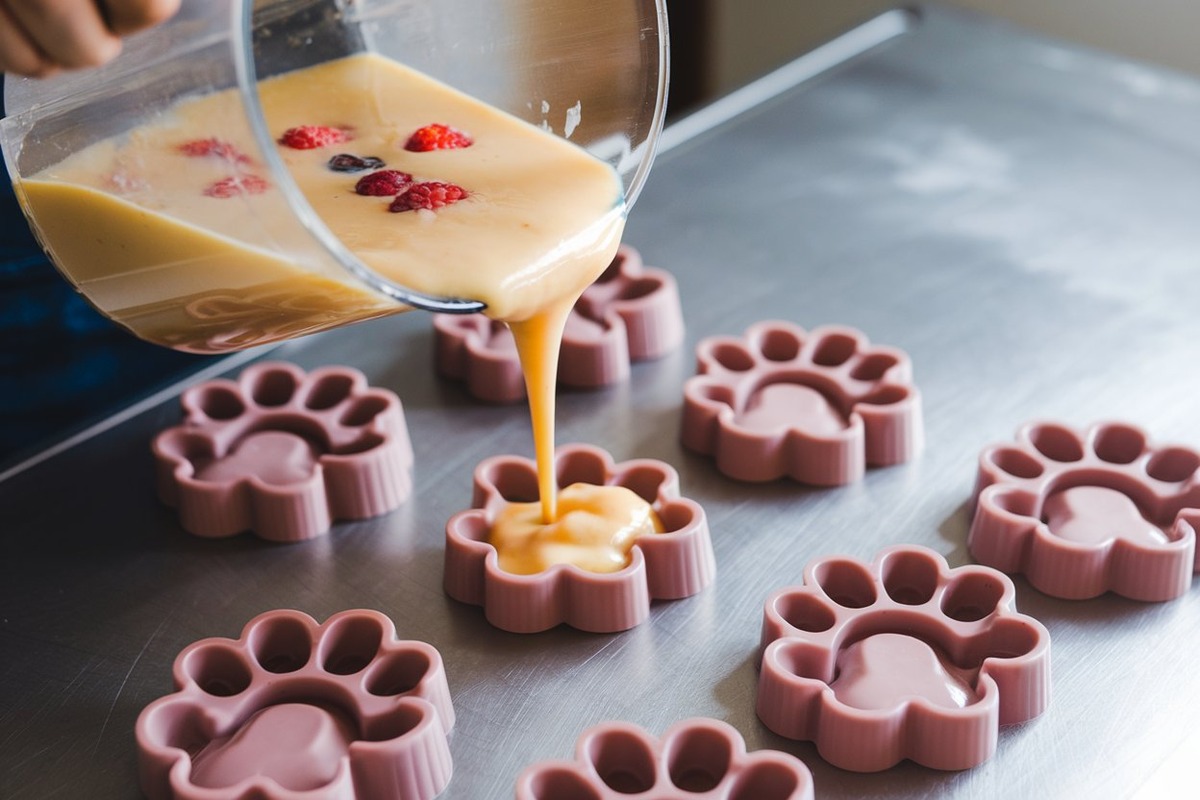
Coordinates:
(754, 36)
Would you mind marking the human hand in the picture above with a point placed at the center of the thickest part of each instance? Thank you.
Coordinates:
(42, 37)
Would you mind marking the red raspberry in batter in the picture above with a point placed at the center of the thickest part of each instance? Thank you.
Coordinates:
(384, 183)
(310, 137)
(236, 185)
(219, 148)
(430, 195)
(437, 137)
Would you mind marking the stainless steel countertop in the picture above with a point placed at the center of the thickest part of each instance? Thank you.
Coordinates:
(1018, 215)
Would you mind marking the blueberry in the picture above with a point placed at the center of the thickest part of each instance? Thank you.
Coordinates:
(345, 162)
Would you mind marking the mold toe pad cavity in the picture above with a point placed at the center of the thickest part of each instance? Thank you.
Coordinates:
(817, 407)
(696, 757)
(900, 658)
(1080, 513)
(342, 710)
(284, 453)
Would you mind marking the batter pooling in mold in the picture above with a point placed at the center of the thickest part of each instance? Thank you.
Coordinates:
(672, 564)
(595, 528)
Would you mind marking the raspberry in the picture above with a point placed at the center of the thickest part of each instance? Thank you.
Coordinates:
(345, 162)
(437, 137)
(431, 195)
(309, 137)
(235, 185)
(384, 183)
(214, 147)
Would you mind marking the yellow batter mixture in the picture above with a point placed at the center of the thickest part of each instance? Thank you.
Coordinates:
(135, 221)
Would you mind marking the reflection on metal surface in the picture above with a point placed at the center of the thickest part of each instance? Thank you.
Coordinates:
(826, 57)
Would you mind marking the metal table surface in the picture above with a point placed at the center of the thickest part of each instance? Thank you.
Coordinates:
(1018, 215)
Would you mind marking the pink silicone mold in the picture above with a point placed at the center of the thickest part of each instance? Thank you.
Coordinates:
(284, 453)
(292, 709)
(818, 407)
(1084, 513)
(695, 758)
(666, 566)
(900, 658)
(631, 313)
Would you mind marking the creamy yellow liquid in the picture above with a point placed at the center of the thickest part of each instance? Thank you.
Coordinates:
(129, 222)
(595, 529)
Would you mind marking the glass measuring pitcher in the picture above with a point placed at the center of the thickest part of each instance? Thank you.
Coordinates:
(258, 263)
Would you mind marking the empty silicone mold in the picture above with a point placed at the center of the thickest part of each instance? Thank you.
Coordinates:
(663, 566)
(292, 709)
(695, 758)
(818, 407)
(900, 658)
(1084, 513)
(631, 313)
(284, 453)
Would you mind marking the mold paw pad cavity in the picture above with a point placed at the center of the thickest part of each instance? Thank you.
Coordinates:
(284, 453)
(630, 314)
(1083, 512)
(817, 407)
(902, 658)
(670, 565)
(280, 709)
(694, 757)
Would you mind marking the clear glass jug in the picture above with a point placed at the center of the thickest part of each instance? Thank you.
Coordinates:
(592, 71)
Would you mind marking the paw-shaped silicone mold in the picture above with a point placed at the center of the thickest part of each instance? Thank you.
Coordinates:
(631, 313)
(695, 758)
(670, 565)
(818, 407)
(284, 453)
(292, 709)
(1082, 513)
(901, 658)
